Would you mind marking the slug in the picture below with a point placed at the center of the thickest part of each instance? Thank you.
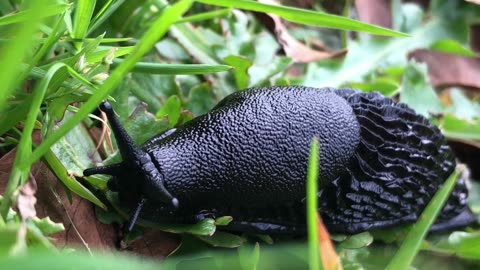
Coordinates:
(380, 164)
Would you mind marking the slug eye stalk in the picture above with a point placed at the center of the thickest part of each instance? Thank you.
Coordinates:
(135, 162)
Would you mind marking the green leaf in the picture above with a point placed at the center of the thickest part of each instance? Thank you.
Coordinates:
(157, 68)
(417, 92)
(241, 65)
(223, 221)
(386, 86)
(452, 47)
(457, 128)
(142, 125)
(200, 99)
(462, 107)
(215, 14)
(26, 15)
(223, 239)
(410, 247)
(249, 258)
(172, 109)
(304, 16)
(83, 15)
(357, 241)
(47, 226)
(369, 54)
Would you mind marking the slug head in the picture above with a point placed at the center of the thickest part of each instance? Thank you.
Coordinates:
(136, 178)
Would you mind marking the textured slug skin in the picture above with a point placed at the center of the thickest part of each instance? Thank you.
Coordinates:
(380, 162)
(252, 148)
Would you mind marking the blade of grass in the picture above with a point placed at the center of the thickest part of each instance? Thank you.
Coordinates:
(157, 68)
(304, 16)
(15, 51)
(146, 43)
(32, 13)
(81, 21)
(312, 189)
(219, 13)
(411, 245)
(105, 12)
(20, 168)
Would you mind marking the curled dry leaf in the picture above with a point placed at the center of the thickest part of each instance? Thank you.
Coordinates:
(299, 52)
(376, 12)
(26, 199)
(449, 69)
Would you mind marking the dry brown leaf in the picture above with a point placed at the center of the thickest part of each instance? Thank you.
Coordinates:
(299, 52)
(330, 258)
(82, 229)
(26, 199)
(376, 12)
(449, 69)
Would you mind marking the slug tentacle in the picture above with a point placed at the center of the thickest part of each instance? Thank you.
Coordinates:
(137, 173)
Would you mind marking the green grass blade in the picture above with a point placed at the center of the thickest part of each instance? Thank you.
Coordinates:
(411, 245)
(151, 36)
(219, 13)
(72, 184)
(83, 15)
(312, 189)
(107, 10)
(21, 168)
(16, 50)
(192, 69)
(304, 16)
(28, 15)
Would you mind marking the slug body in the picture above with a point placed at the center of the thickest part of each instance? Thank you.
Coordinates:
(380, 163)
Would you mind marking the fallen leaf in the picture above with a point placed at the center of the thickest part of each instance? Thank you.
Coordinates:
(378, 12)
(449, 69)
(299, 52)
(82, 229)
(26, 199)
(330, 259)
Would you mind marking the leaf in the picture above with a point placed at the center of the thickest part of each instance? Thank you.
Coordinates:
(200, 99)
(223, 221)
(249, 259)
(417, 92)
(450, 46)
(357, 241)
(241, 65)
(47, 226)
(171, 108)
(367, 54)
(158, 68)
(304, 16)
(142, 125)
(454, 127)
(223, 239)
(449, 69)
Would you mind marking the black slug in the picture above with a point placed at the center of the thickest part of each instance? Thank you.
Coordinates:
(380, 163)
